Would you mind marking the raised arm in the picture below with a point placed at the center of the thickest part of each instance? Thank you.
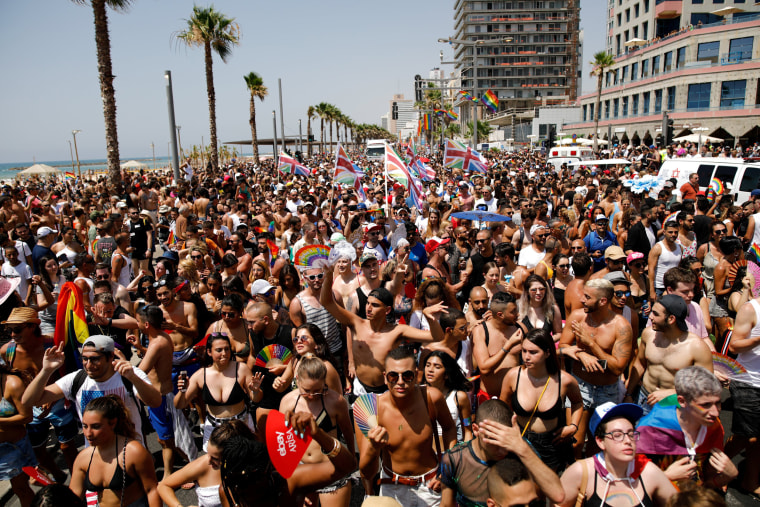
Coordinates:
(327, 300)
(38, 392)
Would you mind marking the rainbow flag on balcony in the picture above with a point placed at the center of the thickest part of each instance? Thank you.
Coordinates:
(491, 101)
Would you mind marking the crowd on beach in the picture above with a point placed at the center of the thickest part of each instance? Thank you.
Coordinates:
(524, 335)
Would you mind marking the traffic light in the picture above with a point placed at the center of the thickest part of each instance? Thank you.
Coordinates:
(299, 156)
(394, 111)
(418, 88)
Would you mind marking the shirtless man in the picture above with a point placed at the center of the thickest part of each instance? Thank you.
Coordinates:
(181, 320)
(403, 446)
(25, 353)
(347, 283)
(281, 217)
(157, 364)
(600, 342)
(120, 294)
(201, 203)
(581, 265)
(181, 225)
(477, 309)
(245, 261)
(665, 348)
(149, 202)
(374, 336)
(496, 345)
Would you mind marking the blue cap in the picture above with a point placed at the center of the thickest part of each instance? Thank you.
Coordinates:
(755, 192)
(608, 410)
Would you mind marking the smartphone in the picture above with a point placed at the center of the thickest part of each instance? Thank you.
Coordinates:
(602, 363)
(183, 376)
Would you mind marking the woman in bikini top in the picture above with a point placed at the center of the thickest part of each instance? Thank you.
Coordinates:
(116, 465)
(233, 325)
(13, 431)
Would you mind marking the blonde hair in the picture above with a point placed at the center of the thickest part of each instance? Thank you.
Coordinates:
(604, 286)
(191, 271)
(263, 265)
(311, 367)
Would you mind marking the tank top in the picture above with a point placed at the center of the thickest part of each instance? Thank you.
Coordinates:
(708, 274)
(89, 282)
(125, 275)
(68, 252)
(756, 235)
(361, 297)
(453, 405)
(324, 320)
(750, 359)
(688, 251)
(666, 261)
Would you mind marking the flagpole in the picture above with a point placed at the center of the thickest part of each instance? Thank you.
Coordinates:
(385, 177)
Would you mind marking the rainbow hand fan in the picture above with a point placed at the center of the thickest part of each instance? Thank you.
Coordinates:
(365, 412)
(272, 355)
(727, 365)
(312, 256)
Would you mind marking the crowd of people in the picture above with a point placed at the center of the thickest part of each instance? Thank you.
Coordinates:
(561, 352)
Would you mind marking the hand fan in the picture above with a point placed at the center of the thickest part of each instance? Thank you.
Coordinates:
(754, 270)
(312, 256)
(365, 412)
(272, 355)
(727, 365)
(735, 269)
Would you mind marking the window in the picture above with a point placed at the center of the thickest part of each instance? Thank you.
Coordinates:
(671, 98)
(740, 50)
(645, 30)
(608, 78)
(634, 71)
(668, 61)
(584, 112)
(658, 101)
(636, 11)
(615, 108)
(619, 19)
(591, 111)
(705, 174)
(750, 179)
(699, 97)
(719, 1)
(624, 76)
(646, 5)
(656, 65)
(696, 2)
(732, 93)
(627, 15)
(645, 107)
(680, 57)
(708, 52)
(606, 109)
(635, 105)
(645, 69)
(625, 107)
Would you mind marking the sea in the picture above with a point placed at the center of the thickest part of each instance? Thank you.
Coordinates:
(8, 171)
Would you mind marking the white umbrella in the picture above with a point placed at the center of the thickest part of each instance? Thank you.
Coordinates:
(38, 170)
(725, 11)
(635, 42)
(133, 164)
(590, 142)
(696, 138)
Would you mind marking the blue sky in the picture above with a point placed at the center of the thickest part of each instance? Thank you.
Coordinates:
(354, 54)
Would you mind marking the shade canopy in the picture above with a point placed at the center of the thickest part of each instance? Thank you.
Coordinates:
(725, 11)
(635, 42)
(133, 164)
(696, 138)
(38, 170)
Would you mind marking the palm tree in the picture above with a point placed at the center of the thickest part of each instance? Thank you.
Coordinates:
(258, 91)
(323, 111)
(333, 113)
(347, 124)
(105, 75)
(215, 33)
(601, 62)
(311, 112)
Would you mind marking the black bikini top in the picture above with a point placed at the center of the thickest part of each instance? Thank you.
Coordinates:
(553, 413)
(236, 396)
(118, 478)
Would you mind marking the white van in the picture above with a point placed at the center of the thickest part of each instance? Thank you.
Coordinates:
(375, 151)
(743, 176)
(559, 155)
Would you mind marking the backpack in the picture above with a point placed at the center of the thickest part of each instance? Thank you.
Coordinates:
(79, 379)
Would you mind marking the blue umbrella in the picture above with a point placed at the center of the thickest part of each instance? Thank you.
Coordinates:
(481, 216)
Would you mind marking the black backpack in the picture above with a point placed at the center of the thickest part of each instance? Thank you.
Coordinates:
(79, 379)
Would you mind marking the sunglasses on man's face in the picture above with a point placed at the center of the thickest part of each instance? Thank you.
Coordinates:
(393, 376)
(315, 277)
(622, 293)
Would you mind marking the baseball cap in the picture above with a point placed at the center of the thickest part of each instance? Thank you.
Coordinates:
(100, 342)
(668, 184)
(755, 192)
(121, 204)
(432, 245)
(171, 255)
(601, 217)
(675, 305)
(260, 287)
(368, 255)
(609, 410)
(614, 253)
(634, 256)
(44, 231)
(536, 227)
(617, 277)
(374, 227)
(336, 237)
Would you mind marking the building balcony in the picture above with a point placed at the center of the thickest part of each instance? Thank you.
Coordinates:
(667, 9)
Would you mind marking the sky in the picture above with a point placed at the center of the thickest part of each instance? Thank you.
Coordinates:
(354, 54)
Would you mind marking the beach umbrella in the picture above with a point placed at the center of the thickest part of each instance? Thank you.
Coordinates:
(697, 138)
(725, 11)
(38, 170)
(635, 42)
(133, 164)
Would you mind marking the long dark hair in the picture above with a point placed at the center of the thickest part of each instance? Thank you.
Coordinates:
(322, 350)
(43, 272)
(542, 339)
(113, 407)
(454, 379)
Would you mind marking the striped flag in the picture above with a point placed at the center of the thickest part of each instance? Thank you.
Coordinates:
(474, 162)
(466, 95)
(454, 154)
(70, 324)
(172, 239)
(69, 176)
(490, 100)
(422, 170)
(347, 173)
(289, 165)
(395, 167)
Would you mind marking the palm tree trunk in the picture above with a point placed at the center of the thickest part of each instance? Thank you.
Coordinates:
(322, 138)
(331, 137)
(254, 137)
(596, 113)
(105, 73)
(308, 136)
(213, 151)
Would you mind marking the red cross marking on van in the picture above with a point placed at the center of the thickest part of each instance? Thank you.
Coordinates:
(675, 172)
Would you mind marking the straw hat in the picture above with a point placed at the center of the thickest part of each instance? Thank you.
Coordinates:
(22, 315)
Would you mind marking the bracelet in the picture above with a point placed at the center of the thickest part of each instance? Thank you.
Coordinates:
(335, 450)
(573, 424)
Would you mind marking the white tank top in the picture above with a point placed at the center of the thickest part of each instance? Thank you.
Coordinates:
(89, 282)
(125, 275)
(756, 235)
(666, 261)
(750, 359)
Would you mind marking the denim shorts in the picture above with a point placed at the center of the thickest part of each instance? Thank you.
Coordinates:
(14, 456)
(643, 395)
(408, 496)
(594, 395)
(64, 421)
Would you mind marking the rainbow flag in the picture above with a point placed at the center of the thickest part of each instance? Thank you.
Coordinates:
(69, 176)
(172, 239)
(491, 101)
(715, 189)
(439, 112)
(288, 165)
(70, 325)
(755, 249)
(395, 167)
(273, 248)
(427, 121)
(466, 95)
(589, 204)
(452, 115)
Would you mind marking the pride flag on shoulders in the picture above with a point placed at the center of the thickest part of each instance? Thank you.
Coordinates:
(70, 325)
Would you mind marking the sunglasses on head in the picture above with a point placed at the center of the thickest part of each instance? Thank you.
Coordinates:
(315, 277)
(160, 283)
(407, 376)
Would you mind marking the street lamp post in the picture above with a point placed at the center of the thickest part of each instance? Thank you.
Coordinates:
(173, 153)
(153, 149)
(474, 45)
(79, 167)
(300, 137)
(71, 150)
(179, 141)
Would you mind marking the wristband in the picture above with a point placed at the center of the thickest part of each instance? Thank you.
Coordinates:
(466, 422)
(335, 450)
(573, 424)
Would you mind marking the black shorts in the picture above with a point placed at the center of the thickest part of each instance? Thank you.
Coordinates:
(139, 254)
(746, 398)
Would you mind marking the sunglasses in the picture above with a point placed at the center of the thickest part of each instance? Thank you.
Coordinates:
(229, 315)
(563, 266)
(315, 277)
(160, 283)
(196, 257)
(637, 265)
(407, 376)
(298, 339)
(480, 240)
(16, 329)
(621, 293)
(102, 277)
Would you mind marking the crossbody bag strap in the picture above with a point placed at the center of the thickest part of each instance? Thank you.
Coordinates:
(530, 420)
(581, 498)
(436, 438)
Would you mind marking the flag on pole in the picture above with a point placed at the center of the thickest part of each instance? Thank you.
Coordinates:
(171, 240)
(490, 100)
(427, 121)
(347, 173)
(452, 115)
(421, 170)
(415, 192)
(288, 165)
(273, 248)
(474, 162)
(454, 154)
(395, 167)
(70, 324)
(69, 176)
(466, 95)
